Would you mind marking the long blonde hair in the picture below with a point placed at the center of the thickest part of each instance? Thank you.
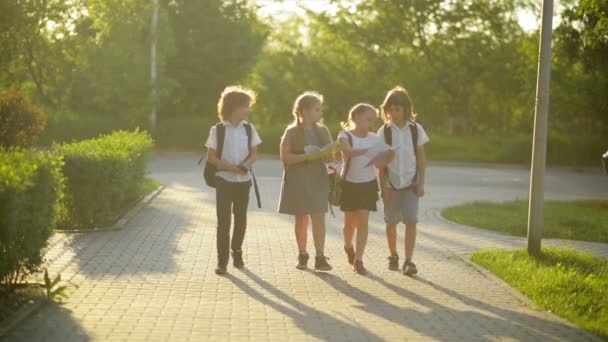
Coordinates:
(398, 96)
(305, 101)
(356, 110)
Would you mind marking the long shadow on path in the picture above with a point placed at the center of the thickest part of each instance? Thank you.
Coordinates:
(310, 320)
(440, 322)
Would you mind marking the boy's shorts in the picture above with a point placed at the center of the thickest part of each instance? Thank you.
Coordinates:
(402, 207)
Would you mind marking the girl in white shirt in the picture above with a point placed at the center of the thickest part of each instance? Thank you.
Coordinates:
(359, 184)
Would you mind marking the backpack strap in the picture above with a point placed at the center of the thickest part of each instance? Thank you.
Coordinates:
(249, 131)
(220, 134)
(414, 134)
(388, 139)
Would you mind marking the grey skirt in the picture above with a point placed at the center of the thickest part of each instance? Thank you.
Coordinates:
(305, 189)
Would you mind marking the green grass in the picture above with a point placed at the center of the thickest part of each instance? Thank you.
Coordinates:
(578, 220)
(567, 283)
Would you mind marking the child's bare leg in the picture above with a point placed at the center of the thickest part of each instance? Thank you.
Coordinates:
(391, 237)
(410, 240)
(350, 223)
(318, 232)
(362, 230)
(301, 230)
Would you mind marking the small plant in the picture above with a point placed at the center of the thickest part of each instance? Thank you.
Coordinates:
(52, 293)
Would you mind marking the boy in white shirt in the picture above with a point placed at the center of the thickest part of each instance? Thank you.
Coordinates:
(232, 149)
(402, 181)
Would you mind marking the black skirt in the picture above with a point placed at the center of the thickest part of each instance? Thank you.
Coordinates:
(359, 196)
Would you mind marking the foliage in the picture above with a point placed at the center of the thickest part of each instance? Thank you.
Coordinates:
(20, 122)
(103, 175)
(30, 192)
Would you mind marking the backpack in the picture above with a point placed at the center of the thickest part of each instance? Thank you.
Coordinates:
(335, 180)
(211, 170)
(388, 139)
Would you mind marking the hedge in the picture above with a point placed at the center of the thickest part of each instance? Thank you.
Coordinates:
(30, 192)
(102, 176)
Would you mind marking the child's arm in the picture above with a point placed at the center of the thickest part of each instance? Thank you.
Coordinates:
(252, 158)
(349, 151)
(383, 184)
(289, 158)
(421, 170)
(220, 164)
(384, 159)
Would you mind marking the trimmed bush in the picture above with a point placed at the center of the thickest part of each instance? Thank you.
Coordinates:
(103, 176)
(30, 193)
(20, 122)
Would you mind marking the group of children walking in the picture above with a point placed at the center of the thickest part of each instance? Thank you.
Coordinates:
(396, 171)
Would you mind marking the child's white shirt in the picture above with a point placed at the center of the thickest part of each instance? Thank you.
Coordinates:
(361, 170)
(402, 169)
(235, 148)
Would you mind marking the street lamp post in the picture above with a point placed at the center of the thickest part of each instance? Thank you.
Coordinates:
(153, 67)
(539, 146)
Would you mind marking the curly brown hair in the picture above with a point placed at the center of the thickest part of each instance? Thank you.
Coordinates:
(234, 97)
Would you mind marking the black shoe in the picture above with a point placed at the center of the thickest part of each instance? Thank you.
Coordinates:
(220, 270)
(321, 264)
(393, 263)
(237, 259)
(302, 261)
(409, 268)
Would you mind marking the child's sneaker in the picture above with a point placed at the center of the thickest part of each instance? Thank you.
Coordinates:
(359, 267)
(393, 263)
(350, 254)
(220, 270)
(237, 259)
(321, 264)
(302, 261)
(409, 268)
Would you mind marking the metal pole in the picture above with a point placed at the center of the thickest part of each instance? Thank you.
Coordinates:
(153, 69)
(539, 146)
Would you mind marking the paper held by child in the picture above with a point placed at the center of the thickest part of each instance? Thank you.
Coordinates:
(314, 152)
(378, 150)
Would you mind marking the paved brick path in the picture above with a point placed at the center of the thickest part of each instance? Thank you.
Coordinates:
(154, 280)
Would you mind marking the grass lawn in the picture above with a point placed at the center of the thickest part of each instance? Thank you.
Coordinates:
(578, 220)
(567, 283)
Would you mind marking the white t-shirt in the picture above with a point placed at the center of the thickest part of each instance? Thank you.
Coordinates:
(235, 148)
(359, 171)
(402, 169)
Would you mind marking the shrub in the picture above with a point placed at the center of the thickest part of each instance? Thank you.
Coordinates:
(30, 193)
(103, 176)
(20, 122)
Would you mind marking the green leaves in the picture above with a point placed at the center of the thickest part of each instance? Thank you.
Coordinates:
(102, 175)
(53, 293)
(31, 186)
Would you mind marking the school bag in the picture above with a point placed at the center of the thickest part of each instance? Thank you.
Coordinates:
(211, 170)
(335, 181)
(388, 139)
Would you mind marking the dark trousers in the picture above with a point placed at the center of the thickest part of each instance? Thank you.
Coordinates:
(230, 197)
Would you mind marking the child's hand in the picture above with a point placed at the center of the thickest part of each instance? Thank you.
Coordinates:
(382, 159)
(420, 190)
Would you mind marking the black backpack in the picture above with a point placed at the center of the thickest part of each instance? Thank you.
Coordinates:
(388, 139)
(211, 170)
